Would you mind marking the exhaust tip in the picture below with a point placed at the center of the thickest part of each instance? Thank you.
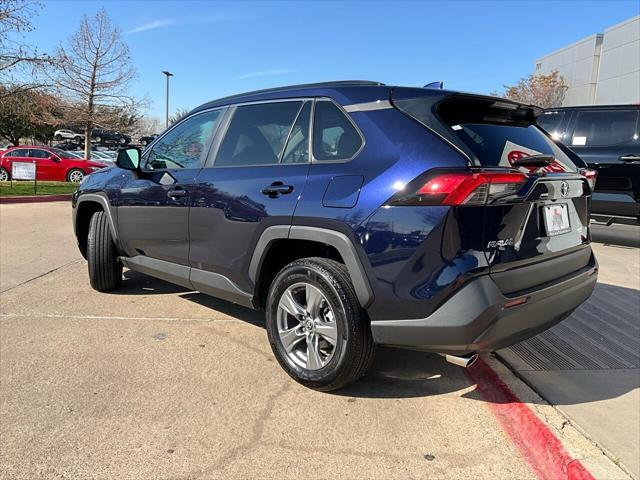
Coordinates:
(462, 360)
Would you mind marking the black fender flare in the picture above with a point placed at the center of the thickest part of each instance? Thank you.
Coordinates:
(341, 242)
(102, 199)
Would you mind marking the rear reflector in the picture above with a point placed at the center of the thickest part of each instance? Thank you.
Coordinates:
(590, 175)
(515, 302)
(463, 188)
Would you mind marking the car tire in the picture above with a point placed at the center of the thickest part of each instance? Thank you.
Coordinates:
(326, 367)
(75, 175)
(105, 271)
(4, 175)
(143, 143)
(98, 139)
(57, 138)
(122, 141)
(78, 139)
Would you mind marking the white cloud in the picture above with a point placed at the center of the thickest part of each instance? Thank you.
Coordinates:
(151, 26)
(262, 73)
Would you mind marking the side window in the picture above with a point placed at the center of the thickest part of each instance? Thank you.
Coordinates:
(297, 149)
(20, 152)
(257, 134)
(334, 136)
(35, 153)
(183, 146)
(550, 122)
(604, 127)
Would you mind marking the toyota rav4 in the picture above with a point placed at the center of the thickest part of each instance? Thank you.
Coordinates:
(354, 214)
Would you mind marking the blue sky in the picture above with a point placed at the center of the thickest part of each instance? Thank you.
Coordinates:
(220, 48)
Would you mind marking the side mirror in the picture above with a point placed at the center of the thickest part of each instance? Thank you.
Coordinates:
(53, 157)
(128, 158)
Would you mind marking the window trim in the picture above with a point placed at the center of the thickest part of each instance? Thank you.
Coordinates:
(204, 155)
(348, 116)
(213, 154)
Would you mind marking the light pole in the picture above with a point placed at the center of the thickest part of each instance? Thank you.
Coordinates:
(166, 117)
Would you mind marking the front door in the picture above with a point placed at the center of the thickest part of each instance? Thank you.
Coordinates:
(46, 166)
(255, 181)
(607, 140)
(153, 206)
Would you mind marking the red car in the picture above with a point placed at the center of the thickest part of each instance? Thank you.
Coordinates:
(51, 163)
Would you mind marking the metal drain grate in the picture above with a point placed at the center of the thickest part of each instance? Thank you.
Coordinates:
(603, 334)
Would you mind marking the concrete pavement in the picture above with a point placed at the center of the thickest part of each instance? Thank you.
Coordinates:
(589, 365)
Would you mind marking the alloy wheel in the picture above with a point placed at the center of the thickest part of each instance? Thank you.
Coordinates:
(306, 326)
(4, 175)
(76, 176)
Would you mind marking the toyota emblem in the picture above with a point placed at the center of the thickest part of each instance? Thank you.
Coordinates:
(564, 189)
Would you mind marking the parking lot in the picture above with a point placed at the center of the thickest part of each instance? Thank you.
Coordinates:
(157, 381)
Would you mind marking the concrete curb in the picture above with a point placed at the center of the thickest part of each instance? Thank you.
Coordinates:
(35, 198)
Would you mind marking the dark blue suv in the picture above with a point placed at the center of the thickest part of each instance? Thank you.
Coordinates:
(354, 214)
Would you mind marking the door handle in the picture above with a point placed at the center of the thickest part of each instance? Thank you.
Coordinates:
(276, 189)
(629, 158)
(177, 193)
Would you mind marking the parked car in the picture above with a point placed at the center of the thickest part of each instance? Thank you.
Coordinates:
(146, 140)
(607, 138)
(63, 134)
(353, 214)
(71, 147)
(51, 164)
(100, 135)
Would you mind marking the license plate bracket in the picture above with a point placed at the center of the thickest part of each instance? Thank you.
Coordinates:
(556, 219)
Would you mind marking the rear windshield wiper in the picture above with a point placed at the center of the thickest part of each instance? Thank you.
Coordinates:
(535, 161)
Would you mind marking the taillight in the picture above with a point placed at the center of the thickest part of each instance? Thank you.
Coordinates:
(460, 188)
(590, 175)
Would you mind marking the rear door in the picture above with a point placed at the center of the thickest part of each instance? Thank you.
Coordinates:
(608, 140)
(254, 181)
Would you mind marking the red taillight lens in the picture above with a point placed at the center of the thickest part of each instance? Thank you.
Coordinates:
(466, 188)
(590, 175)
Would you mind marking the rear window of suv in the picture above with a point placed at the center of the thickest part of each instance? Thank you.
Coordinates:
(496, 133)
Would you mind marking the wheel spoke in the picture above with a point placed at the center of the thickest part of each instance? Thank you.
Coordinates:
(314, 299)
(328, 331)
(314, 362)
(290, 338)
(290, 305)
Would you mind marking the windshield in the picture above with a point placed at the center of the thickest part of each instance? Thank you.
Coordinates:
(63, 154)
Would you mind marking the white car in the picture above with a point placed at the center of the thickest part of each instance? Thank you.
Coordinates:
(67, 135)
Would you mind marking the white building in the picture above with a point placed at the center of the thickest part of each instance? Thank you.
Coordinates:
(601, 69)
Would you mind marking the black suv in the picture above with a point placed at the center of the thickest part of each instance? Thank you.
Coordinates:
(607, 138)
(101, 135)
(353, 214)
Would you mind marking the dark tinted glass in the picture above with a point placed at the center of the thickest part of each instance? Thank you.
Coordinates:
(257, 134)
(36, 153)
(20, 152)
(550, 121)
(605, 127)
(334, 136)
(183, 146)
(297, 149)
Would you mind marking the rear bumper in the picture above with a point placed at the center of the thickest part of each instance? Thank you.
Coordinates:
(475, 320)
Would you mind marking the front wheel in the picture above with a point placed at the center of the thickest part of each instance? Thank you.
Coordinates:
(4, 175)
(57, 138)
(122, 141)
(317, 330)
(98, 139)
(105, 271)
(75, 175)
(78, 139)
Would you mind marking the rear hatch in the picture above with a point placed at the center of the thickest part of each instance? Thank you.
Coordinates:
(536, 229)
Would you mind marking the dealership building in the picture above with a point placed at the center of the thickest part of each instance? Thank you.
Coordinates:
(602, 69)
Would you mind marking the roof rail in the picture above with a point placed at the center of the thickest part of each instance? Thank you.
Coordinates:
(336, 83)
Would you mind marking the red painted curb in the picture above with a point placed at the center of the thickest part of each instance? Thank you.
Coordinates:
(541, 449)
(35, 199)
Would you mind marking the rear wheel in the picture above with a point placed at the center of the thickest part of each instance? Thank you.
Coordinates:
(75, 175)
(98, 139)
(317, 330)
(57, 137)
(4, 175)
(78, 139)
(105, 271)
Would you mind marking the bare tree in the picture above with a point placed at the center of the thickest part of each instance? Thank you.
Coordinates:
(20, 64)
(178, 115)
(543, 90)
(94, 70)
